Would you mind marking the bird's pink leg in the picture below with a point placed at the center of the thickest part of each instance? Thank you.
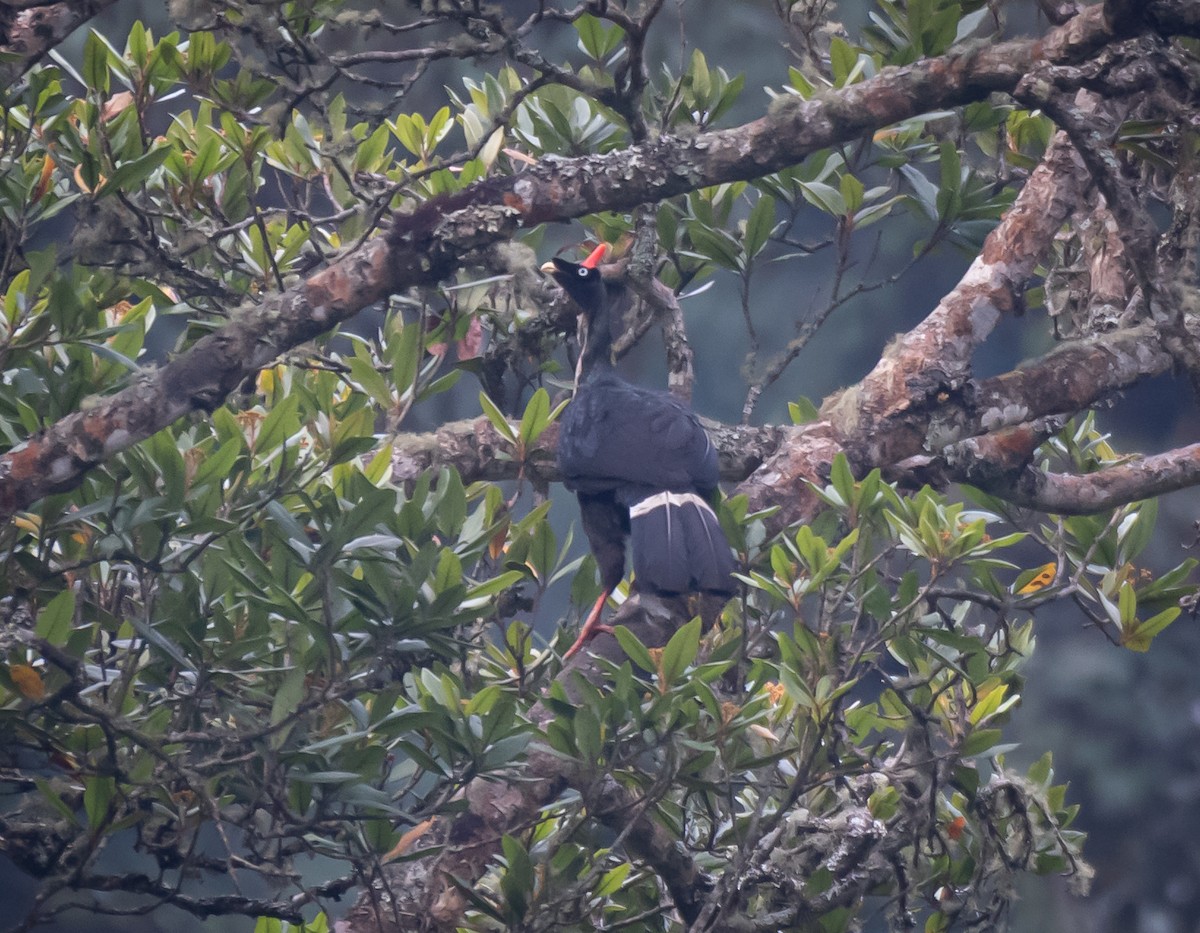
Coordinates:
(591, 625)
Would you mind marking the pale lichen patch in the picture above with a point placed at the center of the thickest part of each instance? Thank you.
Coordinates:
(1000, 417)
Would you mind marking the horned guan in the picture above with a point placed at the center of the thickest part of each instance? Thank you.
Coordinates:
(641, 464)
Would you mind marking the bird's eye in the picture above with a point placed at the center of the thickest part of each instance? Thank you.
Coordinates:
(583, 272)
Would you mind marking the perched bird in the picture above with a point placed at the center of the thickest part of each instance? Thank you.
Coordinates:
(641, 464)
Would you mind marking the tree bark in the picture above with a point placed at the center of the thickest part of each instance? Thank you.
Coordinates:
(30, 28)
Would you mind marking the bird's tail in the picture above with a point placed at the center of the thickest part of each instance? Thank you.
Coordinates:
(678, 545)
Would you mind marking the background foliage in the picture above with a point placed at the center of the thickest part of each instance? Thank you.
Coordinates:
(241, 669)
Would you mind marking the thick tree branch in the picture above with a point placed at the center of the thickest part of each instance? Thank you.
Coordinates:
(1092, 127)
(29, 30)
(986, 460)
(1081, 494)
(990, 440)
(1072, 377)
(470, 447)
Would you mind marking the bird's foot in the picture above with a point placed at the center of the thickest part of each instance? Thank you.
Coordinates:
(587, 634)
(591, 625)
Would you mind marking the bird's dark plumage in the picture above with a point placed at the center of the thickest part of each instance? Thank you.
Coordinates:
(620, 449)
(641, 464)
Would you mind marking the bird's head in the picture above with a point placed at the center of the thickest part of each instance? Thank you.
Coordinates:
(581, 280)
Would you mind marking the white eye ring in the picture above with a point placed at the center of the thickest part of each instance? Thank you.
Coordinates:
(583, 272)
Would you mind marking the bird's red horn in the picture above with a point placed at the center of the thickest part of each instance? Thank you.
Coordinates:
(594, 258)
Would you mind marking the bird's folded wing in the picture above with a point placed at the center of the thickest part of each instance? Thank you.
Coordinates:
(619, 433)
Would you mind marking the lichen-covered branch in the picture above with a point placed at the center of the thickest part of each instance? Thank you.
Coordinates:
(1081, 494)
(1071, 378)
(470, 446)
(1092, 126)
(28, 30)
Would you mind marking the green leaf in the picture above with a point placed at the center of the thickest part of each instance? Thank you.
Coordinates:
(377, 467)
(588, 736)
(1127, 605)
(842, 59)
(504, 752)
(137, 46)
(802, 411)
(993, 702)
(517, 882)
(95, 62)
(439, 126)
(1040, 772)
(288, 695)
(924, 191)
(612, 880)
(680, 651)
(106, 352)
(98, 792)
(404, 350)
(420, 757)
(439, 385)
(875, 212)
(363, 371)
(972, 21)
(496, 417)
(824, 197)
(937, 922)
(791, 679)
(281, 423)
(327, 777)
(128, 175)
(597, 39)
(759, 225)
(371, 154)
(717, 245)
(161, 642)
(884, 803)
(451, 502)
(449, 571)
(56, 618)
(1136, 531)
(1138, 637)
(535, 419)
(542, 552)
(407, 132)
(495, 585)
(980, 741)
(852, 192)
(638, 653)
(216, 465)
(951, 165)
(842, 479)
(698, 74)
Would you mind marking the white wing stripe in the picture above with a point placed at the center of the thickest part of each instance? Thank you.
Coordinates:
(661, 499)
